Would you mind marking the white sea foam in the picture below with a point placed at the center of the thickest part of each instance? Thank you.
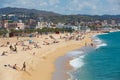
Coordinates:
(94, 36)
(100, 45)
(77, 63)
(75, 53)
(115, 30)
(98, 42)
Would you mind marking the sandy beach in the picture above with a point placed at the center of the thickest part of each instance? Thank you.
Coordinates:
(39, 57)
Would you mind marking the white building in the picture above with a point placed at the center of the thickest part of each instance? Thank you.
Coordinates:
(41, 25)
(60, 25)
(21, 25)
(72, 27)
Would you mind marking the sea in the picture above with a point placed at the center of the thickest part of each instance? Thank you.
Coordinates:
(97, 63)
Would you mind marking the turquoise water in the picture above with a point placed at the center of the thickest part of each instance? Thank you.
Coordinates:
(102, 63)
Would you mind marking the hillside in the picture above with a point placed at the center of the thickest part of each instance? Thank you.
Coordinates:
(10, 10)
(55, 17)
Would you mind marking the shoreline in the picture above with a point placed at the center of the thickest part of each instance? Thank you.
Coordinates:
(40, 66)
(49, 61)
(63, 68)
(98, 45)
(62, 64)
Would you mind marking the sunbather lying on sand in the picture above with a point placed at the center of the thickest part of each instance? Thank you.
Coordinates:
(46, 43)
(13, 67)
(3, 45)
(55, 41)
(36, 45)
(26, 48)
(52, 37)
(3, 53)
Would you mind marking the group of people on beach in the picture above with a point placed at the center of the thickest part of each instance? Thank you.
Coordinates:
(32, 44)
(16, 67)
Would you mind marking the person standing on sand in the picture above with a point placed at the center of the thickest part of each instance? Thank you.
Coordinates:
(15, 49)
(24, 66)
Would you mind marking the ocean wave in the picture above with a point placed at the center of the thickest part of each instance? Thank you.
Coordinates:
(77, 62)
(98, 42)
(100, 45)
(115, 30)
(75, 53)
(95, 35)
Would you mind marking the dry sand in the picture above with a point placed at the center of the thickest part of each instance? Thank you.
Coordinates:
(41, 65)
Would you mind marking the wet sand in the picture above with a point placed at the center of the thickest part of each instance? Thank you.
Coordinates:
(40, 66)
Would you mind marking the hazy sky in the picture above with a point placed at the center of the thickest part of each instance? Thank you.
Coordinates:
(92, 7)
